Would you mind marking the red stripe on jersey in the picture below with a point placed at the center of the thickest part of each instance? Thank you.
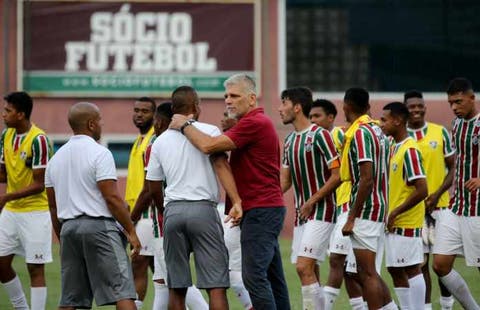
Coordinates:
(311, 175)
(376, 201)
(462, 143)
(296, 163)
(43, 147)
(474, 170)
(361, 144)
(418, 135)
(16, 143)
(330, 204)
(147, 155)
(415, 162)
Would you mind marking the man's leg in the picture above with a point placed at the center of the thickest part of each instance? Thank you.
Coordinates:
(312, 292)
(261, 259)
(12, 283)
(140, 265)
(217, 299)
(372, 284)
(236, 284)
(335, 278)
(38, 296)
(160, 300)
(417, 286)
(176, 298)
(453, 281)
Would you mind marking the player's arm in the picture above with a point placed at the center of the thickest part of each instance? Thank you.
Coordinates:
(119, 211)
(205, 143)
(156, 191)
(143, 202)
(432, 200)
(285, 178)
(52, 207)
(224, 173)
(36, 187)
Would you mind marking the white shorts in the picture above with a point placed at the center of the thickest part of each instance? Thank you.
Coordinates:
(401, 251)
(144, 229)
(28, 234)
(366, 234)
(340, 244)
(311, 240)
(232, 242)
(351, 262)
(160, 267)
(458, 235)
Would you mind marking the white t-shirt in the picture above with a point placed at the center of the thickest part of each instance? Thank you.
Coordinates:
(187, 171)
(74, 171)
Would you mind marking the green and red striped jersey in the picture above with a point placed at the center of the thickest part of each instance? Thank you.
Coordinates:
(466, 137)
(42, 149)
(309, 154)
(370, 144)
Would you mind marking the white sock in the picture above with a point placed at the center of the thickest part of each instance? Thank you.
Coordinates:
(428, 306)
(446, 302)
(38, 298)
(138, 304)
(331, 295)
(417, 291)
(160, 301)
(457, 287)
(357, 303)
(236, 283)
(403, 294)
(16, 294)
(194, 299)
(313, 297)
(390, 306)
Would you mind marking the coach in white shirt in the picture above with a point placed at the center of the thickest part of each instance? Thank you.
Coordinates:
(84, 203)
(191, 221)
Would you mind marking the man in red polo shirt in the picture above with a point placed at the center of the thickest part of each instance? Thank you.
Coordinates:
(255, 162)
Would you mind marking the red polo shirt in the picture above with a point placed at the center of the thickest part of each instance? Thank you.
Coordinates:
(256, 161)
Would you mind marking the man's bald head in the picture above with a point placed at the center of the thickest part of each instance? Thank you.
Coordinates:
(84, 118)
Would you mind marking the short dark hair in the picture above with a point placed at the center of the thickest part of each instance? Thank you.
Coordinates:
(165, 110)
(397, 109)
(148, 99)
(299, 95)
(358, 98)
(459, 85)
(183, 97)
(326, 105)
(21, 101)
(412, 94)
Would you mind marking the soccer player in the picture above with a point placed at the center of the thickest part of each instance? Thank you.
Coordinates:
(406, 212)
(25, 225)
(193, 299)
(143, 111)
(365, 163)
(310, 163)
(438, 162)
(461, 232)
(323, 113)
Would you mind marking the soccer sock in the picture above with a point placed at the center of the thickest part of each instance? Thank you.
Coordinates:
(428, 306)
(357, 303)
(15, 292)
(331, 295)
(457, 286)
(138, 304)
(390, 306)
(160, 301)
(236, 283)
(38, 298)
(313, 297)
(417, 291)
(403, 294)
(446, 302)
(194, 299)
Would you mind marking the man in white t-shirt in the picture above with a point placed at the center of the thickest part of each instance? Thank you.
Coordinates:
(191, 221)
(85, 206)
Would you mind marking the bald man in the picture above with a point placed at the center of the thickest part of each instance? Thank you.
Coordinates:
(84, 207)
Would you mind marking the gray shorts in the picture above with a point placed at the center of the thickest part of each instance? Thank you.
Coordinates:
(94, 263)
(194, 226)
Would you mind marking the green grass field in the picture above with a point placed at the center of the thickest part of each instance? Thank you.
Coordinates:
(471, 275)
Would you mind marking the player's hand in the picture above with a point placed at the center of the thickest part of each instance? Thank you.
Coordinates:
(391, 220)
(472, 184)
(178, 120)
(135, 243)
(306, 211)
(431, 202)
(235, 215)
(347, 229)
